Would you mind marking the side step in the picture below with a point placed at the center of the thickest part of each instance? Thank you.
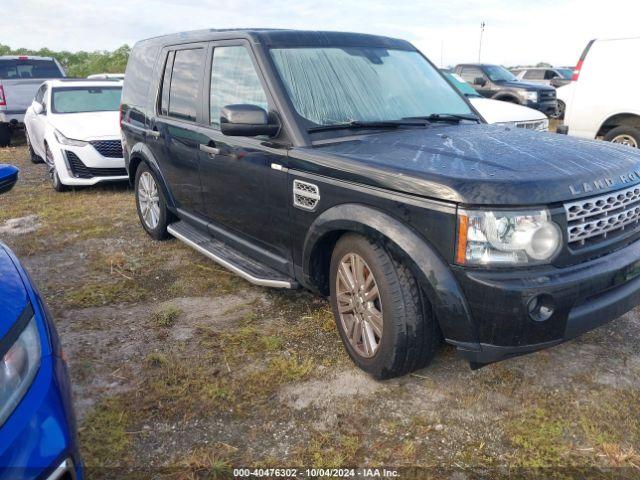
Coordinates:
(230, 258)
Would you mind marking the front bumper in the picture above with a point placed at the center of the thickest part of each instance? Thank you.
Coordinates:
(582, 296)
(548, 107)
(78, 166)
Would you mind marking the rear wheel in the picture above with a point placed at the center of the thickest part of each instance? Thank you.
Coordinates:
(5, 135)
(624, 135)
(151, 204)
(32, 154)
(385, 323)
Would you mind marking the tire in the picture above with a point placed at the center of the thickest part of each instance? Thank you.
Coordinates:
(561, 109)
(32, 154)
(5, 135)
(146, 180)
(57, 185)
(410, 334)
(624, 135)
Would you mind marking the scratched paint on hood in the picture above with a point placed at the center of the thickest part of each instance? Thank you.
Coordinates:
(478, 164)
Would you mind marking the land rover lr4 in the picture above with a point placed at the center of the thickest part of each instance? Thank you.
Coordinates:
(347, 164)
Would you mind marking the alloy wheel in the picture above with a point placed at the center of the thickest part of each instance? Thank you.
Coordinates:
(359, 305)
(149, 200)
(625, 139)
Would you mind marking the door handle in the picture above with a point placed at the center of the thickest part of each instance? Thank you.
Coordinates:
(154, 133)
(210, 150)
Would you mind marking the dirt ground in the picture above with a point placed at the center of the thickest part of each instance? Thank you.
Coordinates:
(182, 370)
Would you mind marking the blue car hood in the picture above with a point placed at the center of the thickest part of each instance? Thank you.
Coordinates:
(13, 296)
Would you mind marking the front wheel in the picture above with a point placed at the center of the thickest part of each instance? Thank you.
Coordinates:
(151, 204)
(57, 185)
(624, 135)
(33, 156)
(383, 318)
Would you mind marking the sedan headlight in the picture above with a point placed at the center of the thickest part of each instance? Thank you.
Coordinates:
(18, 367)
(532, 96)
(68, 141)
(506, 238)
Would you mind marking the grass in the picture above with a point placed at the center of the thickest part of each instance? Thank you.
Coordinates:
(165, 317)
(103, 435)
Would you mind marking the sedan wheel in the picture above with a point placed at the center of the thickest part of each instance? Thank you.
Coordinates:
(359, 305)
(149, 200)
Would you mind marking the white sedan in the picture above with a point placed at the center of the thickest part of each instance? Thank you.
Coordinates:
(499, 112)
(74, 126)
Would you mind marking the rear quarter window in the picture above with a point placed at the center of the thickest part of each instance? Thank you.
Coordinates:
(138, 74)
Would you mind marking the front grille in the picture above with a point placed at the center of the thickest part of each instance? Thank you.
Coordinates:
(547, 94)
(108, 148)
(595, 219)
(80, 170)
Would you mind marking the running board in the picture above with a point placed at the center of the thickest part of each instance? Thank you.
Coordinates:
(239, 263)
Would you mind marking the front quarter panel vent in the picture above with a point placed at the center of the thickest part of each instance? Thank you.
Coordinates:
(306, 196)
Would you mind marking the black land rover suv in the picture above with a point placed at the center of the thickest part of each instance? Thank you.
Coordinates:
(347, 164)
(494, 81)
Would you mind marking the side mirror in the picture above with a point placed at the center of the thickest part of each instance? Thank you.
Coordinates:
(246, 121)
(38, 109)
(479, 81)
(8, 177)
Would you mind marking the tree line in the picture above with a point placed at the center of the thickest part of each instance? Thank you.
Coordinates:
(80, 64)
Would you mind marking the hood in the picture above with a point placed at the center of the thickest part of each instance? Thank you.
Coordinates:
(87, 126)
(477, 164)
(13, 296)
(496, 111)
(525, 85)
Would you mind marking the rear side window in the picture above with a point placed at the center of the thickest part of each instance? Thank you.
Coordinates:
(139, 73)
(24, 69)
(234, 80)
(534, 75)
(184, 84)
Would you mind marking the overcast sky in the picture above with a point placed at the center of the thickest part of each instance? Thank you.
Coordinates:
(517, 31)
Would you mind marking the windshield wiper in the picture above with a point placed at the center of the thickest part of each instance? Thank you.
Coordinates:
(359, 124)
(447, 117)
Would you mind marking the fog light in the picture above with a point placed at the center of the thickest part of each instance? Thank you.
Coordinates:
(541, 307)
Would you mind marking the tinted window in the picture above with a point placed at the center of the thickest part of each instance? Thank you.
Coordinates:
(534, 75)
(166, 82)
(21, 69)
(85, 99)
(337, 85)
(469, 74)
(234, 80)
(185, 81)
(138, 74)
(549, 74)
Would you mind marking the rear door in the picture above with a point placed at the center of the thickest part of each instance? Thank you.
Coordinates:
(174, 138)
(245, 191)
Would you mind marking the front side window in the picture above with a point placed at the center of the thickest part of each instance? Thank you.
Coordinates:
(234, 80)
(185, 82)
(469, 74)
(85, 99)
(335, 85)
(534, 75)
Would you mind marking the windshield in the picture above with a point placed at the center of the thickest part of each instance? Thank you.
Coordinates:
(499, 74)
(566, 73)
(85, 99)
(461, 85)
(363, 84)
(24, 68)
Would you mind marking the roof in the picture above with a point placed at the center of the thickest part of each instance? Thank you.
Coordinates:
(284, 38)
(24, 57)
(83, 82)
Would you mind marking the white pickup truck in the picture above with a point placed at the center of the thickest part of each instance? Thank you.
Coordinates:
(20, 77)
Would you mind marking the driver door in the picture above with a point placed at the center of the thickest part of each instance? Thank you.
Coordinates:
(37, 123)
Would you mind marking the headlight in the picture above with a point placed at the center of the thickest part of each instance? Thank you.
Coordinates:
(68, 141)
(542, 125)
(532, 96)
(18, 367)
(506, 238)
